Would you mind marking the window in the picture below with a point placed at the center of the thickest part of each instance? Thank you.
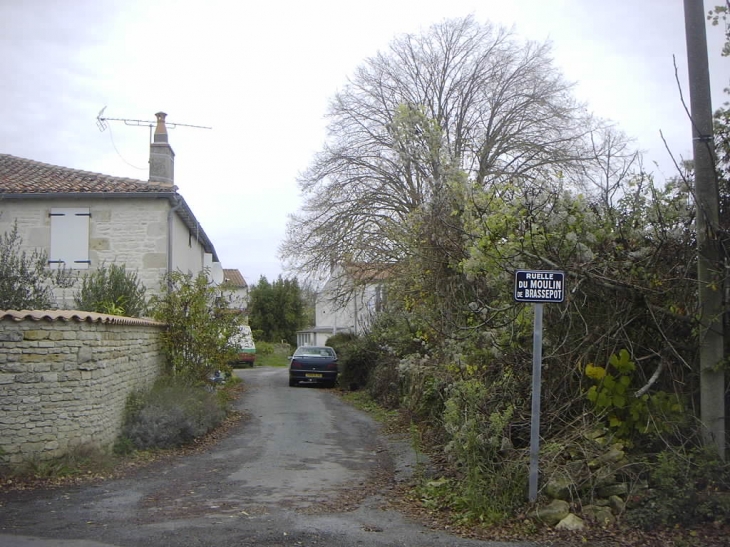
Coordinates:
(70, 238)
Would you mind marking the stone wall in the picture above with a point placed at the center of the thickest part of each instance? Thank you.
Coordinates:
(65, 377)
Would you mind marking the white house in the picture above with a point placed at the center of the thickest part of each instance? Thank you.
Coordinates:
(234, 282)
(348, 302)
(83, 220)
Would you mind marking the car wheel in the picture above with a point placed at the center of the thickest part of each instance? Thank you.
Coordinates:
(292, 383)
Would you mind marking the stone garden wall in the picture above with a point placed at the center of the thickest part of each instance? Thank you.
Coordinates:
(65, 376)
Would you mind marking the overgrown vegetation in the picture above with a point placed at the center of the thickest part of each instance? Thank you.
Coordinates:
(113, 290)
(683, 490)
(26, 282)
(185, 403)
(86, 460)
(200, 326)
(455, 190)
(173, 413)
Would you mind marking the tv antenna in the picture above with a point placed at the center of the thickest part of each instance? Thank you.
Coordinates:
(101, 123)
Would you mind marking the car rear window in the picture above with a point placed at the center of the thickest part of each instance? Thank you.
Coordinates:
(315, 352)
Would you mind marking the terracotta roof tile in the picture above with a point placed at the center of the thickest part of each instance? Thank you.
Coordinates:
(24, 176)
(73, 315)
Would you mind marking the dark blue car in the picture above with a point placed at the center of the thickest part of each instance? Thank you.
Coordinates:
(313, 364)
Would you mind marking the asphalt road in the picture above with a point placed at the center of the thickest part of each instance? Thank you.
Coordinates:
(298, 472)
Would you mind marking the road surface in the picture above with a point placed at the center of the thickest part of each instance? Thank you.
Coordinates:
(299, 471)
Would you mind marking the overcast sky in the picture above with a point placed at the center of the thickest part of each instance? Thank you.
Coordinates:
(261, 74)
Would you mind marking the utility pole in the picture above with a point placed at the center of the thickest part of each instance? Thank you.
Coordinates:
(709, 264)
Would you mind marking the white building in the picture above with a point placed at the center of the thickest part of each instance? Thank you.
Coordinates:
(348, 302)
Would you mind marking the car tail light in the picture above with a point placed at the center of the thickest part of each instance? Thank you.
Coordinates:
(295, 364)
(332, 366)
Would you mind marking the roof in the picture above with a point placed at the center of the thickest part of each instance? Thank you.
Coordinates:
(21, 178)
(233, 278)
(74, 315)
(364, 272)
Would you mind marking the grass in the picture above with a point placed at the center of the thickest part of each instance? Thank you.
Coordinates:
(363, 401)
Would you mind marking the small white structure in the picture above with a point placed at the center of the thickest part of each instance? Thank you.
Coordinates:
(234, 282)
(83, 220)
(348, 302)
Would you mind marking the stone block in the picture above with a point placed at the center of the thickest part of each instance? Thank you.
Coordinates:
(36, 335)
(155, 260)
(553, 513)
(11, 336)
(6, 379)
(13, 366)
(34, 357)
(99, 244)
(617, 504)
(31, 448)
(619, 489)
(598, 514)
(85, 355)
(559, 487)
(571, 522)
(28, 378)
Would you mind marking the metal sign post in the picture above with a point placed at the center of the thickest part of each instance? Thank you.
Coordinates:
(537, 287)
(536, 385)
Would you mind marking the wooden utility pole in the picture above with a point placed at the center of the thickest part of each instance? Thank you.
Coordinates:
(709, 264)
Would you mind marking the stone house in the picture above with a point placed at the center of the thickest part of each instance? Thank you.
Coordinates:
(83, 219)
(349, 300)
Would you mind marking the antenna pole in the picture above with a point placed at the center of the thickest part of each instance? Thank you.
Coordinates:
(101, 122)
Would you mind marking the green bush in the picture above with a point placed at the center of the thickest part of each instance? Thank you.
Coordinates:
(200, 327)
(264, 348)
(112, 290)
(172, 414)
(26, 283)
(357, 358)
(492, 484)
(683, 489)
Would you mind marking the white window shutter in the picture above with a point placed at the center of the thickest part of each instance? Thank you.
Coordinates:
(69, 238)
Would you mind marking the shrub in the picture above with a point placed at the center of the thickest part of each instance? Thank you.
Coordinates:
(357, 358)
(264, 348)
(684, 488)
(25, 281)
(200, 327)
(491, 484)
(112, 290)
(170, 415)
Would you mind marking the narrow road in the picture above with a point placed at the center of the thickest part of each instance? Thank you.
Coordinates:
(299, 471)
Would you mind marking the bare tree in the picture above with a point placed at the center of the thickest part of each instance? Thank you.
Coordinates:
(462, 97)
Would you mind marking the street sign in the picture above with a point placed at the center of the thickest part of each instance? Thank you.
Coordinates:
(539, 286)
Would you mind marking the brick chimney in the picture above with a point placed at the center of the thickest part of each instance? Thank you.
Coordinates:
(162, 158)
